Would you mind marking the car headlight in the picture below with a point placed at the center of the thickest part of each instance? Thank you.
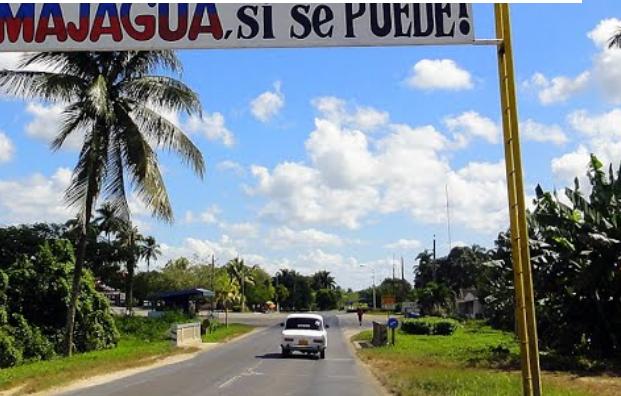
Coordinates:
(288, 339)
(318, 340)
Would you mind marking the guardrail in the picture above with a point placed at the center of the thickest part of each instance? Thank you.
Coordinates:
(186, 334)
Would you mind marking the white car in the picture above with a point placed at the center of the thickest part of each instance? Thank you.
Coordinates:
(304, 333)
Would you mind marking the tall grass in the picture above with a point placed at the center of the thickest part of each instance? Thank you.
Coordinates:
(475, 360)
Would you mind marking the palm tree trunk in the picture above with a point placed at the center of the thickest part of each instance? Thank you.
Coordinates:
(130, 286)
(79, 264)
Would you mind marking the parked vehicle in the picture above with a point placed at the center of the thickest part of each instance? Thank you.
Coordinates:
(304, 333)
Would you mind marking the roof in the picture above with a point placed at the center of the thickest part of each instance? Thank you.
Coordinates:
(304, 315)
(181, 293)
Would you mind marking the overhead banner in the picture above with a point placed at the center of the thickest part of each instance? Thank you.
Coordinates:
(148, 26)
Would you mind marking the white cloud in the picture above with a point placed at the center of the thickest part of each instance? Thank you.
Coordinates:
(36, 198)
(46, 124)
(571, 165)
(602, 137)
(208, 216)
(337, 111)
(9, 60)
(211, 126)
(285, 237)
(439, 74)
(351, 177)
(558, 89)
(404, 244)
(471, 124)
(606, 124)
(607, 70)
(535, 131)
(7, 149)
(268, 104)
(201, 249)
(604, 30)
(231, 166)
(241, 230)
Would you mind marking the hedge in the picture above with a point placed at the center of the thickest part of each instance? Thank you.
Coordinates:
(429, 326)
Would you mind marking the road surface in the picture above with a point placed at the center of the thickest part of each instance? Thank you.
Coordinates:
(253, 366)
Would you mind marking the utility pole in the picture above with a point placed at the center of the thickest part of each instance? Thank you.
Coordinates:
(448, 217)
(213, 274)
(522, 271)
(402, 269)
(374, 298)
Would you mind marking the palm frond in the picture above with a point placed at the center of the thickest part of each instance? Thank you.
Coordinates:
(615, 40)
(145, 62)
(114, 182)
(73, 121)
(163, 92)
(141, 162)
(57, 87)
(98, 103)
(167, 135)
(79, 64)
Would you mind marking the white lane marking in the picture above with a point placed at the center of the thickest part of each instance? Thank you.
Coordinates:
(248, 373)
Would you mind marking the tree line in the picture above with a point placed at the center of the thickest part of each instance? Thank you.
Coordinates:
(575, 246)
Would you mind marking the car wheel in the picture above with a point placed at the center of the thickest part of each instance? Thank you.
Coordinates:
(322, 354)
(285, 352)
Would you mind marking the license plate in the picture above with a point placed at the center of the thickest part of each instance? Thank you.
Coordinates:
(303, 342)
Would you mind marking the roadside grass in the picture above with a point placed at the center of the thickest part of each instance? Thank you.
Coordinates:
(475, 360)
(129, 353)
(225, 334)
(143, 342)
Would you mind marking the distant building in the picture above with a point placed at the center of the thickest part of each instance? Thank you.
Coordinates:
(468, 304)
(185, 300)
(116, 297)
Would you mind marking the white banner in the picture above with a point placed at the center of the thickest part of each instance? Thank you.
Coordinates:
(141, 26)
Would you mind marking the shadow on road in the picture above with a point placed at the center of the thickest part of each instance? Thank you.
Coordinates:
(297, 356)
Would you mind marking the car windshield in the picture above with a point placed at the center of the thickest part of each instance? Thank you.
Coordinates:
(303, 323)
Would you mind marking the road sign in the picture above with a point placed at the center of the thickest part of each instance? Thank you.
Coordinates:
(392, 323)
(149, 26)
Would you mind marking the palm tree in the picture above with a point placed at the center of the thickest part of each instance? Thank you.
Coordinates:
(242, 275)
(323, 280)
(150, 250)
(107, 220)
(115, 101)
(130, 246)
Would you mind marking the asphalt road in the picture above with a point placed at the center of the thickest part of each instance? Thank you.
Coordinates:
(253, 366)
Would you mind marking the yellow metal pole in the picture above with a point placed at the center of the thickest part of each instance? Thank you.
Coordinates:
(509, 113)
(531, 324)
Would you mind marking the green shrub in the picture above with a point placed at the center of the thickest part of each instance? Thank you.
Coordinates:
(429, 326)
(445, 328)
(30, 340)
(10, 354)
(416, 326)
(150, 329)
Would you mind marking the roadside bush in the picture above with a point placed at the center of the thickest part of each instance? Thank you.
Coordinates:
(445, 328)
(150, 329)
(34, 295)
(10, 354)
(416, 326)
(29, 339)
(429, 326)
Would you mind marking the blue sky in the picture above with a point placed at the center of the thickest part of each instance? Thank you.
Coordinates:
(339, 158)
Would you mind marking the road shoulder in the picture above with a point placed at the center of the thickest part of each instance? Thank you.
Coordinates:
(84, 383)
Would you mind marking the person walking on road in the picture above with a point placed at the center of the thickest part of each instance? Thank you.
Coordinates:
(360, 312)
